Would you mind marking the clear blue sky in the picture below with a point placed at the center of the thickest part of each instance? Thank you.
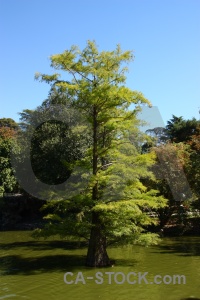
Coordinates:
(164, 35)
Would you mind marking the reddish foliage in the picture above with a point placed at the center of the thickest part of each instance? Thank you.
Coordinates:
(7, 132)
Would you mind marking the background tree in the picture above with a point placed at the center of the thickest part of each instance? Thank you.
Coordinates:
(156, 136)
(8, 132)
(193, 165)
(8, 123)
(187, 132)
(181, 137)
(180, 130)
(54, 144)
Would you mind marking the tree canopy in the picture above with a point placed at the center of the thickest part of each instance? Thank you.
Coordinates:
(180, 130)
(54, 144)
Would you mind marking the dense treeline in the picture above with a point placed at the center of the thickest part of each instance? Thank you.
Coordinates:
(54, 146)
(101, 177)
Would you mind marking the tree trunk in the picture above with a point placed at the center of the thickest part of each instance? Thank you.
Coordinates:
(97, 254)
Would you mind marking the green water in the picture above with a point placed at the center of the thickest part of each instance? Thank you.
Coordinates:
(34, 269)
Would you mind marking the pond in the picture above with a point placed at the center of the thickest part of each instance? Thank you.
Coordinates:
(54, 269)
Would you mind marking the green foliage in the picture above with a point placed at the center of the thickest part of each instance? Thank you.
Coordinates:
(9, 123)
(1, 192)
(8, 182)
(192, 167)
(112, 197)
(180, 130)
(55, 144)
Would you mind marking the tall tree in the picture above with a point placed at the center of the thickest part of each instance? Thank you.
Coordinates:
(113, 198)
